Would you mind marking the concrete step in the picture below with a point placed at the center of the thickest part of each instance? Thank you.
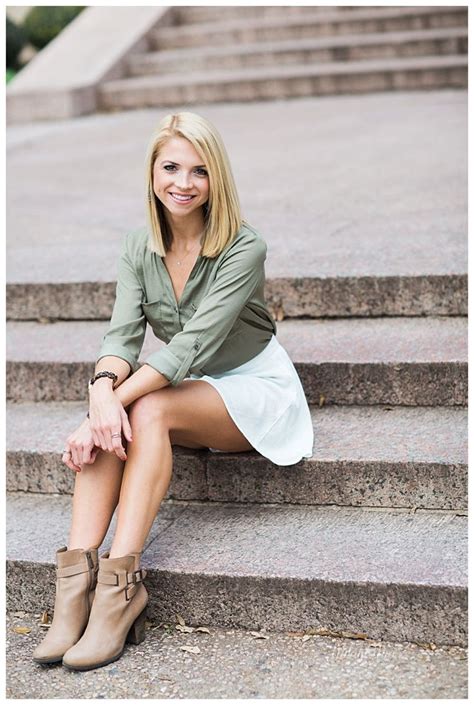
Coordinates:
(402, 361)
(215, 13)
(282, 82)
(249, 664)
(363, 456)
(392, 574)
(286, 297)
(432, 42)
(308, 24)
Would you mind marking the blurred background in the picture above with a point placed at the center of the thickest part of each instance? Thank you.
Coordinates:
(30, 28)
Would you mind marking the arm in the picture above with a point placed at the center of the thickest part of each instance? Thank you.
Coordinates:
(105, 408)
(119, 353)
(126, 332)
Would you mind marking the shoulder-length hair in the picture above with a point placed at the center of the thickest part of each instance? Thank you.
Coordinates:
(222, 214)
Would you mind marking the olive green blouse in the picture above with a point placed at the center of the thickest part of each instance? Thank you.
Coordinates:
(220, 322)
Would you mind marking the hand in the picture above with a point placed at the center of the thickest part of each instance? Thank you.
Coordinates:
(80, 448)
(107, 420)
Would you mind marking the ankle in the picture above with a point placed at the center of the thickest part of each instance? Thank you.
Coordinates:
(74, 545)
(120, 552)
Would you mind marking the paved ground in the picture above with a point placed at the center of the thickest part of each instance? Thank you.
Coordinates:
(372, 184)
(237, 664)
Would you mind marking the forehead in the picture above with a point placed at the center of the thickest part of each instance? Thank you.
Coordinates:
(177, 148)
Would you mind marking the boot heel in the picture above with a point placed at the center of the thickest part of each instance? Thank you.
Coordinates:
(136, 633)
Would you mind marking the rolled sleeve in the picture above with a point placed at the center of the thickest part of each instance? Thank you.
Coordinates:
(237, 277)
(126, 332)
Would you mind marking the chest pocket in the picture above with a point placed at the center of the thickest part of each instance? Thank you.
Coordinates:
(161, 318)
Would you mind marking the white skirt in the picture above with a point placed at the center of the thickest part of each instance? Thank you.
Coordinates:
(266, 400)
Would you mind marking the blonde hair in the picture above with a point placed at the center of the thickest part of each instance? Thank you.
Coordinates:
(222, 214)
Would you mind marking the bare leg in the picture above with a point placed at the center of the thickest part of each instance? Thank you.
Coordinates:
(96, 493)
(158, 419)
(146, 479)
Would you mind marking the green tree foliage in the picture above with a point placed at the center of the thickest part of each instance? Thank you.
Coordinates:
(16, 40)
(44, 22)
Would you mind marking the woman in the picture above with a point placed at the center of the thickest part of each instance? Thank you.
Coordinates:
(196, 275)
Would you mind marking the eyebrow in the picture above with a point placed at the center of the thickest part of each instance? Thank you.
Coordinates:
(176, 163)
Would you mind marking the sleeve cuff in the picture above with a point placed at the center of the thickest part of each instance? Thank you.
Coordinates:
(166, 362)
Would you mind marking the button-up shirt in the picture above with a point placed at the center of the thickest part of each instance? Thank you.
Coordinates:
(220, 322)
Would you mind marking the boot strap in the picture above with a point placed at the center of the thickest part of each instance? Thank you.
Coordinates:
(126, 580)
(69, 570)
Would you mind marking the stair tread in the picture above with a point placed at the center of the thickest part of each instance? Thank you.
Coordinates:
(329, 544)
(305, 43)
(285, 71)
(371, 212)
(342, 433)
(383, 340)
(363, 13)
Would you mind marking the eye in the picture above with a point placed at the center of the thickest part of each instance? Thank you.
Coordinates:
(199, 170)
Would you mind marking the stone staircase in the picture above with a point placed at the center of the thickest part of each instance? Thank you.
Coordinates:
(367, 536)
(238, 54)
(367, 282)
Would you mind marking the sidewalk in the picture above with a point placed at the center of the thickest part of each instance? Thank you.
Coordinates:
(235, 663)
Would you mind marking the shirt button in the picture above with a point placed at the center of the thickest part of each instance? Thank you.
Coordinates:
(196, 346)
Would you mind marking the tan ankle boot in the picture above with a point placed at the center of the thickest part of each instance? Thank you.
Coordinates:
(76, 575)
(118, 614)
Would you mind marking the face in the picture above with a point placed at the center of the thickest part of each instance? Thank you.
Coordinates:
(178, 170)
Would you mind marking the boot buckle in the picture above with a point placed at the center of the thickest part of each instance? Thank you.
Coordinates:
(134, 581)
(137, 580)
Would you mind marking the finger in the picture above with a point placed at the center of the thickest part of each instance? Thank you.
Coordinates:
(86, 451)
(118, 447)
(94, 454)
(67, 455)
(103, 440)
(127, 429)
(107, 433)
(67, 461)
(98, 435)
(90, 455)
(98, 441)
(86, 454)
(75, 456)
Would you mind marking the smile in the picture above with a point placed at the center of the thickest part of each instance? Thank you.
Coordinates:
(181, 199)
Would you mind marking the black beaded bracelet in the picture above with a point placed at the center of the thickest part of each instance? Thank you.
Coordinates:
(111, 376)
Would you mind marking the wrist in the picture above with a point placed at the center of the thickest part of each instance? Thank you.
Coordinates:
(102, 386)
(102, 382)
(103, 374)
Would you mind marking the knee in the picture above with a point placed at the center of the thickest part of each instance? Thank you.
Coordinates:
(148, 410)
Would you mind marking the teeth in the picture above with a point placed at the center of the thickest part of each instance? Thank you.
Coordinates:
(181, 198)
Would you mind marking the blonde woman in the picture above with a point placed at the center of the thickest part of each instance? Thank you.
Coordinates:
(196, 274)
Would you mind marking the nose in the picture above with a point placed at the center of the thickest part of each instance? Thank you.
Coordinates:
(183, 180)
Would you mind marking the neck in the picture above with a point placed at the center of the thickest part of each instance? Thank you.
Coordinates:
(186, 231)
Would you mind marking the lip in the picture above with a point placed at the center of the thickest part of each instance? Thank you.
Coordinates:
(187, 195)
